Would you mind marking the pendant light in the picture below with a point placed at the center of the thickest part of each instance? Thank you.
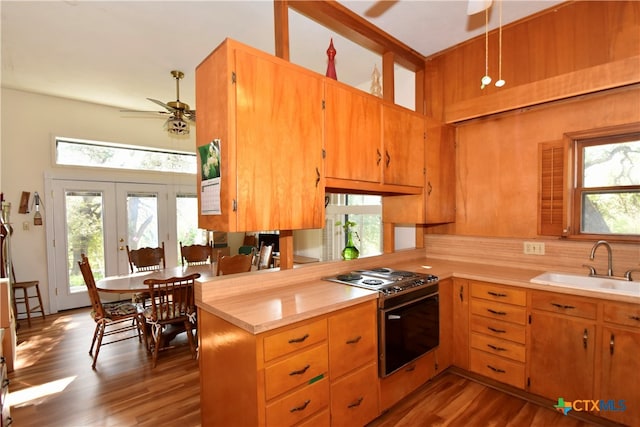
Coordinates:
(486, 80)
(500, 82)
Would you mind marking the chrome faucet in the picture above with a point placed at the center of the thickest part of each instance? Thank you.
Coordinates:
(609, 254)
(627, 274)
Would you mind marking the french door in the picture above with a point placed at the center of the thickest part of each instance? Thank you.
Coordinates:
(100, 219)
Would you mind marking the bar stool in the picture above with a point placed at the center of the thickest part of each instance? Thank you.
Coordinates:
(24, 299)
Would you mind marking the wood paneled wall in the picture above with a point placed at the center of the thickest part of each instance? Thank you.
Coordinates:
(497, 166)
(570, 38)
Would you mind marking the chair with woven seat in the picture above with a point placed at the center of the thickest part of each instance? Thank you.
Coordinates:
(25, 298)
(112, 318)
(231, 264)
(172, 304)
(196, 254)
(146, 259)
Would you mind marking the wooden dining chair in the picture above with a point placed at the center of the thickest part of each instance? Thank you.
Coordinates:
(112, 318)
(265, 257)
(196, 254)
(172, 304)
(231, 264)
(146, 259)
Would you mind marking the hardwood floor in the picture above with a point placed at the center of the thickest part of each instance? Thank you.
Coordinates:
(54, 385)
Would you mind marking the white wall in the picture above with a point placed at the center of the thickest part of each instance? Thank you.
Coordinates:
(29, 124)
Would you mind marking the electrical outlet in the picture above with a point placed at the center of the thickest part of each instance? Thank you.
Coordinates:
(534, 248)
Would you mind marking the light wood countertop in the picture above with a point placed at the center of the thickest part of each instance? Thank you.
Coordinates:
(268, 299)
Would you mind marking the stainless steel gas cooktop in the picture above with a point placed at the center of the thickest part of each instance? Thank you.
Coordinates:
(387, 281)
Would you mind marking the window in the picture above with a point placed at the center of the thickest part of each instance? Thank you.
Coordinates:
(77, 152)
(606, 195)
(366, 212)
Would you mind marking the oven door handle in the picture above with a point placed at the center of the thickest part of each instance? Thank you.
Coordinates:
(394, 317)
(387, 309)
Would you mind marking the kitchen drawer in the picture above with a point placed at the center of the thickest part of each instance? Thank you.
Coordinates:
(497, 368)
(564, 304)
(354, 398)
(402, 382)
(293, 339)
(352, 339)
(498, 328)
(500, 311)
(295, 407)
(295, 371)
(493, 292)
(499, 347)
(321, 419)
(622, 314)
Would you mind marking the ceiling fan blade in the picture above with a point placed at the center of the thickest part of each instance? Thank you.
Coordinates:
(162, 104)
(191, 115)
(379, 7)
(164, 113)
(477, 6)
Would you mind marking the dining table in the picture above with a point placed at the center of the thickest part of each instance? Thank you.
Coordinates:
(134, 282)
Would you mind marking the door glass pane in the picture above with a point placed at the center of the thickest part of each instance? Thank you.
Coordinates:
(142, 220)
(85, 235)
(187, 223)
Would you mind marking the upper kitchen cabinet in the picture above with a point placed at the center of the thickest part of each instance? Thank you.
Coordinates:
(403, 139)
(353, 138)
(259, 142)
(371, 146)
(436, 204)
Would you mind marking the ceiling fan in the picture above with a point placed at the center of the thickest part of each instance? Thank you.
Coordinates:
(179, 113)
(380, 7)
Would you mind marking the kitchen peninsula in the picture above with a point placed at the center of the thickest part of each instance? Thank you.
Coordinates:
(258, 330)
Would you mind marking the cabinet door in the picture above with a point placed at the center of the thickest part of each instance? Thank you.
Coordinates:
(561, 356)
(440, 158)
(403, 143)
(279, 144)
(619, 375)
(352, 134)
(461, 323)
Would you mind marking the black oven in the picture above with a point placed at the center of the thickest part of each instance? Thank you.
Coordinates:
(408, 327)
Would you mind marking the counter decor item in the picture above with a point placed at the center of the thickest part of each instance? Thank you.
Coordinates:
(350, 251)
(376, 87)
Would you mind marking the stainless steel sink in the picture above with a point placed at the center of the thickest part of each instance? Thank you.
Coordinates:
(597, 284)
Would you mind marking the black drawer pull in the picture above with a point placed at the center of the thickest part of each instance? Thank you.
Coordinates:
(612, 343)
(565, 307)
(635, 318)
(301, 407)
(410, 368)
(497, 331)
(496, 294)
(354, 340)
(297, 340)
(356, 403)
(497, 370)
(498, 313)
(300, 371)
(493, 347)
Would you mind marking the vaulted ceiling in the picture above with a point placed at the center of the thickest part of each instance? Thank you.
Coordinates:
(119, 53)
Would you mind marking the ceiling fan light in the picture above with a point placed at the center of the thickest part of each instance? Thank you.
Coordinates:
(177, 126)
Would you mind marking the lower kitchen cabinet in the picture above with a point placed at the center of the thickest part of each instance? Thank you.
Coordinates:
(563, 346)
(619, 374)
(402, 382)
(320, 371)
(460, 322)
(5, 414)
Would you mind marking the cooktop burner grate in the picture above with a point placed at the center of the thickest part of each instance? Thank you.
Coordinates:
(372, 282)
(349, 277)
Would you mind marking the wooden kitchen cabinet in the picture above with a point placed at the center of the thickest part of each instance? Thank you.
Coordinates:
(353, 138)
(403, 141)
(460, 294)
(620, 362)
(371, 145)
(267, 115)
(308, 373)
(562, 349)
(401, 383)
(436, 203)
(5, 412)
(498, 324)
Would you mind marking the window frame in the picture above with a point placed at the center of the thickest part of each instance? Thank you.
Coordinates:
(576, 191)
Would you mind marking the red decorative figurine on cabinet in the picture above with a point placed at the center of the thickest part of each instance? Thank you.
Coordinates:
(331, 65)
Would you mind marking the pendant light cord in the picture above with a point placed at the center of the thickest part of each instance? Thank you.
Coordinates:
(486, 42)
(500, 44)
